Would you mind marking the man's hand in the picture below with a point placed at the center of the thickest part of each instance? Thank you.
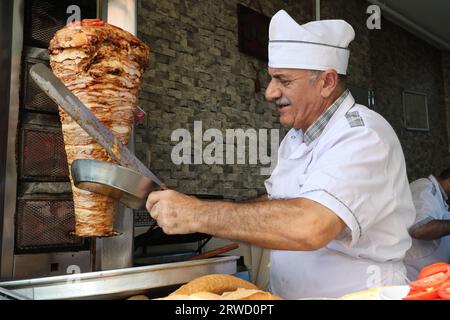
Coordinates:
(174, 212)
(433, 230)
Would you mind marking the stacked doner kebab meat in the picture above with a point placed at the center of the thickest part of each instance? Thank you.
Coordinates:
(103, 66)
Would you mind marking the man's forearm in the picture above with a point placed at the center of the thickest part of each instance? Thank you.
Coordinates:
(261, 198)
(275, 224)
(433, 230)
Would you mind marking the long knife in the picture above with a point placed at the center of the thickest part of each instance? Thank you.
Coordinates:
(63, 97)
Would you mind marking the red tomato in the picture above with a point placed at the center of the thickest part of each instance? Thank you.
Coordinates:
(94, 23)
(433, 269)
(87, 22)
(74, 24)
(433, 281)
(430, 294)
(444, 291)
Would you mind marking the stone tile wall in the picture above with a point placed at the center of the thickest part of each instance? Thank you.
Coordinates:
(197, 73)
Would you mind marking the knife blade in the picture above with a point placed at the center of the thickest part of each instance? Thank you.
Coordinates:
(63, 97)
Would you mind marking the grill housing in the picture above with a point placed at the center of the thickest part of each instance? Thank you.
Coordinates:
(44, 217)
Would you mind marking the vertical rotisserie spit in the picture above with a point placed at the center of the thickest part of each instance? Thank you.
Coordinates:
(103, 66)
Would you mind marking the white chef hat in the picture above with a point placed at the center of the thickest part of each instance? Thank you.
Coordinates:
(317, 45)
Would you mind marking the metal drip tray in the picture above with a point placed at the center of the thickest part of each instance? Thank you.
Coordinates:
(109, 179)
(121, 283)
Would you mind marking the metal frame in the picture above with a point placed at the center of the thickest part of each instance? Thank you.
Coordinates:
(426, 110)
(116, 284)
(123, 14)
(14, 26)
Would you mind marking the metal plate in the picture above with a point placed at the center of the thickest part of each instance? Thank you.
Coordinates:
(123, 184)
(121, 283)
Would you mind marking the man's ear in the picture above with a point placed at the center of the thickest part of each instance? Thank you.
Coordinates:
(447, 186)
(330, 81)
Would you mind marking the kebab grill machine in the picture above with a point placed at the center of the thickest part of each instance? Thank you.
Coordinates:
(39, 257)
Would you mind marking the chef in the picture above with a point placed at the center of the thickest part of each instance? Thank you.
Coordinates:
(338, 204)
(431, 229)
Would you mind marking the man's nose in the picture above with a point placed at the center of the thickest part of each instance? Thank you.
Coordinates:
(272, 92)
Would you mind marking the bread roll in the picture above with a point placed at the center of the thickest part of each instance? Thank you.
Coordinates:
(249, 294)
(195, 296)
(239, 294)
(219, 287)
(139, 297)
(214, 283)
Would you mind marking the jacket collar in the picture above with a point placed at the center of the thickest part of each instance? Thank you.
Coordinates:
(317, 127)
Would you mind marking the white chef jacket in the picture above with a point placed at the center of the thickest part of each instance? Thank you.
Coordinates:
(430, 201)
(356, 168)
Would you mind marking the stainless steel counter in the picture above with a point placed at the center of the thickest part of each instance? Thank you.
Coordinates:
(120, 283)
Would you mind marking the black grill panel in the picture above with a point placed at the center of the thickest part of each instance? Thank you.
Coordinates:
(43, 155)
(44, 217)
(48, 16)
(46, 223)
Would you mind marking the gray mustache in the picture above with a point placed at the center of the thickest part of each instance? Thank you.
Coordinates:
(282, 101)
